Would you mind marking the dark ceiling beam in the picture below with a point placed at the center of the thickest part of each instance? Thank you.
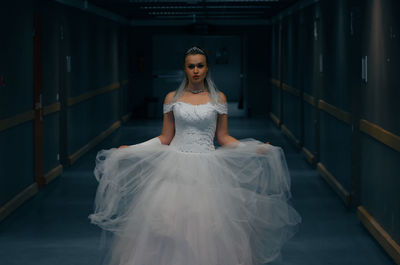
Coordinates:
(88, 7)
(220, 21)
(292, 9)
(125, 6)
(136, 5)
(231, 12)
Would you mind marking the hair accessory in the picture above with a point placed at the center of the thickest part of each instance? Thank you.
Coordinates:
(193, 51)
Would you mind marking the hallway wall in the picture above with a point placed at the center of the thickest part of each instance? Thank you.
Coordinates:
(342, 117)
(65, 74)
(16, 142)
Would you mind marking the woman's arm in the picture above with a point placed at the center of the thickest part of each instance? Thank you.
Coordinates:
(221, 133)
(168, 128)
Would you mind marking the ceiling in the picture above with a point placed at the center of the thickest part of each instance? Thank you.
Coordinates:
(194, 11)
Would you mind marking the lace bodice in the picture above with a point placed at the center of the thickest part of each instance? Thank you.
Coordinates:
(195, 125)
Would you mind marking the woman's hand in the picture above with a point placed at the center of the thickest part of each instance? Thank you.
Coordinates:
(262, 149)
(123, 146)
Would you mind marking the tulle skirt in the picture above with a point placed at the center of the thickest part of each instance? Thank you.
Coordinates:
(166, 207)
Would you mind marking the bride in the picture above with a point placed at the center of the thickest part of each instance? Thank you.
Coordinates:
(176, 200)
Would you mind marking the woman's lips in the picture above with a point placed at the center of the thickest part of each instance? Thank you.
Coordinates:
(196, 76)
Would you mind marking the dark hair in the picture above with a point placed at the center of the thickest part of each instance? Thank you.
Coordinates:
(193, 51)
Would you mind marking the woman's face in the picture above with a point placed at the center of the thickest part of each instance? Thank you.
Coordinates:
(196, 68)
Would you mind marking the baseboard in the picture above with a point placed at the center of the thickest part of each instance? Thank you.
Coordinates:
(332, 181)
(377, 231)
(75, 156)
(275, 119)
(19, 199)
(309, 156)
(52, 174)
(290, 135)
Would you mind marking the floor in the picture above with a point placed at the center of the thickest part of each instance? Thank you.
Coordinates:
(53, 228)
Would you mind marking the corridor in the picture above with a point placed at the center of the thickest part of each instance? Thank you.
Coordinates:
(318, 78)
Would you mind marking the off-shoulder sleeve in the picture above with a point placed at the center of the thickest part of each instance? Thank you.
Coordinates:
(221, 107)
(167, 107)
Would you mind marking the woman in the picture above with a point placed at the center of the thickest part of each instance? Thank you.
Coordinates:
(176, 200)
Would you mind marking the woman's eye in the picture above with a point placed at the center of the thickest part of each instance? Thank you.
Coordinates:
(192, 66)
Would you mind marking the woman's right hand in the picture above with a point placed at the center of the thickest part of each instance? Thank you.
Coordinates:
(263, 149)
(123, 146)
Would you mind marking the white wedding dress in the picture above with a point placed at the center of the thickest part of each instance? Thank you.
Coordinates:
(191, 204)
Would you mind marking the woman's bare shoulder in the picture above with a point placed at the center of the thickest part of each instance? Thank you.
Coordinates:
(169, 98)
(221, 97)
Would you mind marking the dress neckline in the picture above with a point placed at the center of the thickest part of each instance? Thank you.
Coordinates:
(194, 104)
